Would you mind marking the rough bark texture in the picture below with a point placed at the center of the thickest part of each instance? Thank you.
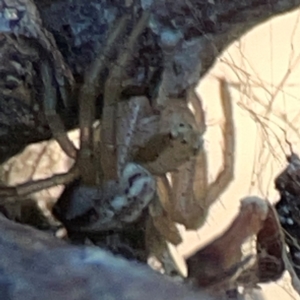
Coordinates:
(34, 265)
(180, 44)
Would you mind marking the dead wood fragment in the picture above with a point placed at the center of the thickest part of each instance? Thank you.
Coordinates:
(220, 265)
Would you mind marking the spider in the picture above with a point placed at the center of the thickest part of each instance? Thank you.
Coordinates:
(123, 169)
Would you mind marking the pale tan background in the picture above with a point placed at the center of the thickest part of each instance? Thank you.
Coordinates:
(263, 72)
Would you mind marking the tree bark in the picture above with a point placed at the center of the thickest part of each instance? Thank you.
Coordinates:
(35, 265)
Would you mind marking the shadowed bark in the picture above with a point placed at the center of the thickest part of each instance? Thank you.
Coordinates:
(35, 265)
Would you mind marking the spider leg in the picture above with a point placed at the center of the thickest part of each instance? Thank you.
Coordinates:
(158, 208)
(226, 175)
(112, 95)
(11, 194)
(87, 97)
(54, 121)
(113, 86)
(185, 206)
